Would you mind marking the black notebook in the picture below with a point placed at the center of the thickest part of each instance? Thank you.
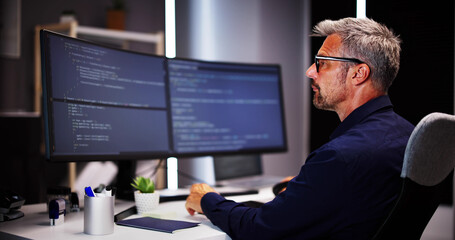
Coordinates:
(162, 225)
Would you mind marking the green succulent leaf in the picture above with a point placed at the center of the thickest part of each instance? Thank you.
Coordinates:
(144, 185)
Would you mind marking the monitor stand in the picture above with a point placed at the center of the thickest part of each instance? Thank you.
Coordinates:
(196, 170)
(125, 175)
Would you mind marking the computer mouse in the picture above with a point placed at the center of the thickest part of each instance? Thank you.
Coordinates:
(277, 188)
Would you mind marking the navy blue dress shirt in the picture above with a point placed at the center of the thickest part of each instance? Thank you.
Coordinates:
(344, 190)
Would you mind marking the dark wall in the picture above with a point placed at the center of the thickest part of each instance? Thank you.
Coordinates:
(21, 156)
(425, 81)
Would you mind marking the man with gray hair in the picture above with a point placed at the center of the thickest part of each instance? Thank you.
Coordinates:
(347, 187)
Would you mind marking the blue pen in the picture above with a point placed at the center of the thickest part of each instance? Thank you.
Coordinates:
(89, 192)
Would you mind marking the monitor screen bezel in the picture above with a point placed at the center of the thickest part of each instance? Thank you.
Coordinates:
(48, 111)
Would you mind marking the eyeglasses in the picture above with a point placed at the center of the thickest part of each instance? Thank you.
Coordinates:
(317, 58)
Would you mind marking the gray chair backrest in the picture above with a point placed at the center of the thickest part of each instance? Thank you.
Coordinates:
(430, 152)
(427, 174)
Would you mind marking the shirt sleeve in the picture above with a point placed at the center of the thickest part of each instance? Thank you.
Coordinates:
(308, 208)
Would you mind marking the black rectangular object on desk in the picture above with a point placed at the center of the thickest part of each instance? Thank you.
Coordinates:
(156, 224)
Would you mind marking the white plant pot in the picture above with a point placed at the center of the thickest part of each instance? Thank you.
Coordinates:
(146, 202)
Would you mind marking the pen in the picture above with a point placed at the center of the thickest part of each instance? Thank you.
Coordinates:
(107, 192)
(89, 192)
(99, 189)
(111, 190)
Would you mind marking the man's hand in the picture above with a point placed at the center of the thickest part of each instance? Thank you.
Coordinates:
(193, 201)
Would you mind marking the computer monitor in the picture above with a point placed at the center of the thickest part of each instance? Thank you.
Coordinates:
(102, 103)
(225, 107)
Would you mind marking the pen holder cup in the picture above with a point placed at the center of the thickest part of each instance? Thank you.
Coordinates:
(99, 215)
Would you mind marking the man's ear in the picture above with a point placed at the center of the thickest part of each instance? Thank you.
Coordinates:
(361, 73)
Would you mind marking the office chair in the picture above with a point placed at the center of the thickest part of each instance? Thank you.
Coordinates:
(427, 172)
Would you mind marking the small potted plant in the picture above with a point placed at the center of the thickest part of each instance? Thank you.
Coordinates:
(145, 196)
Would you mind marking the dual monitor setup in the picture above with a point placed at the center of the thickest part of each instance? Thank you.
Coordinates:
(102, 103)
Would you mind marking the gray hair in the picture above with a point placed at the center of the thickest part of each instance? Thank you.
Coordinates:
(368, 41)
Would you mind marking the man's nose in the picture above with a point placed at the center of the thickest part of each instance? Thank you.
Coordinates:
(311, 72)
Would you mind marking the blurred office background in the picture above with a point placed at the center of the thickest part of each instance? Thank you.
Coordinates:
(253, 31)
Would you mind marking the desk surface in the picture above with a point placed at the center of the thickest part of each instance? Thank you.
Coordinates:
(35, 223)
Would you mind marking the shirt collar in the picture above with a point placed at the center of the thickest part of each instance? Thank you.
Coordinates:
(361, 113)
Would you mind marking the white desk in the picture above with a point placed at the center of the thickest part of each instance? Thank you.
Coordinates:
(35, 223)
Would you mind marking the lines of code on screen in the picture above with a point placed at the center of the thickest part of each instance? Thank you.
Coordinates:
(106, 101)
(224, 107)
